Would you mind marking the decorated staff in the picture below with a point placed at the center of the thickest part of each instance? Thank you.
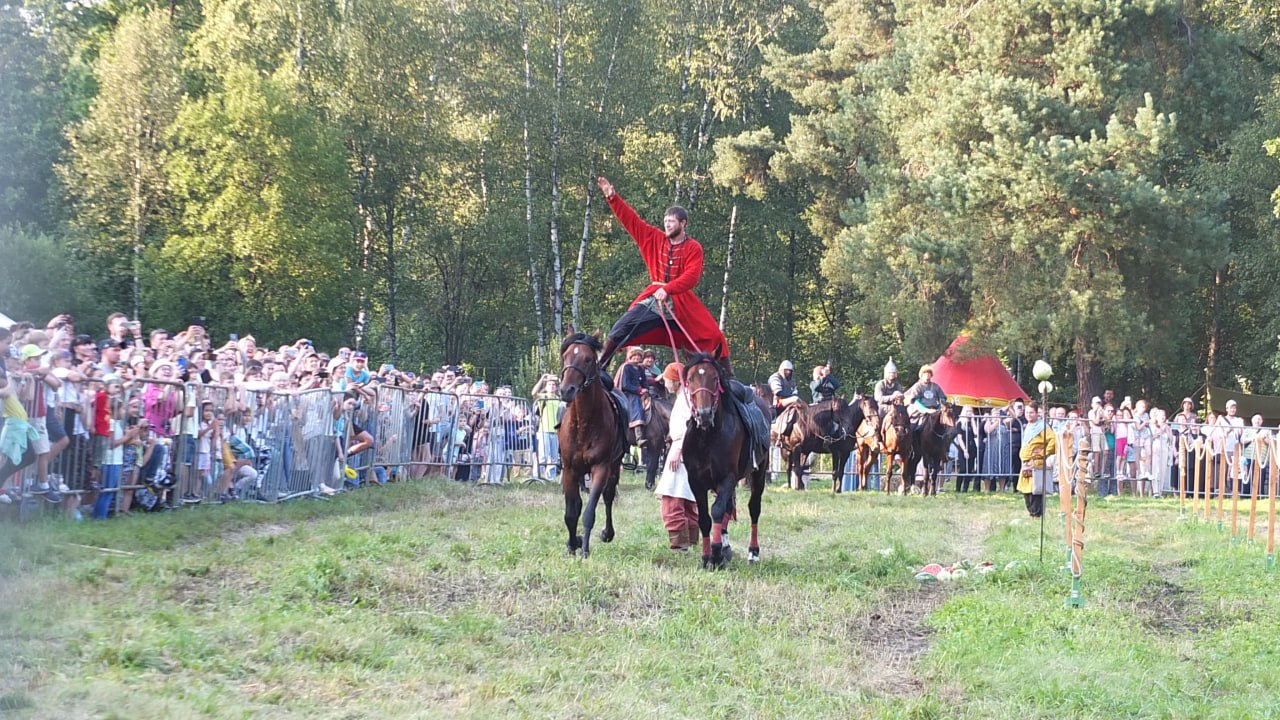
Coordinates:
(1083, 479)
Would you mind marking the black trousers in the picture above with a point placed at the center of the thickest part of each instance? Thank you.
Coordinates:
(636, 321)
(1035, 504)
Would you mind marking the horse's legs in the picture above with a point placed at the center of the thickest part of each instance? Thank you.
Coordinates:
(757, 478)
(838, 459)
(724, 500)
(610, 492)
(796, 463)
(704, 525)
(599, 477)
(572, 505)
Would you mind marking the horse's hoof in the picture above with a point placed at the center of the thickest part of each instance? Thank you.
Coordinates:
(607, 535)
(706, 562)
(753, 556)
(648, 486)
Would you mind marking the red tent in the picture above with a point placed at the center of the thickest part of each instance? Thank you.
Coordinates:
(980, 381)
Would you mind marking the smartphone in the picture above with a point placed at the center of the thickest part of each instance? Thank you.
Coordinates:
(182, 363)
(234, 337)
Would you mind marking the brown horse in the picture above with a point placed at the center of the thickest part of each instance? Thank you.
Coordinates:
(718, 451)
(592, 440)
(867, 440)
(657, 419)
(934, 436)
(896, 441)
(826, 427)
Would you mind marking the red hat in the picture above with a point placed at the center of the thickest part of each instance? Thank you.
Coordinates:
(673, 371)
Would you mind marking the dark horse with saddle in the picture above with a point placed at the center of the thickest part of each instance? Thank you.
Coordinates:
(827, 427)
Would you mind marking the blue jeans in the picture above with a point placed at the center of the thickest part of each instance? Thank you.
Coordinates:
(110, 482)
(550, 447)
(634, 407)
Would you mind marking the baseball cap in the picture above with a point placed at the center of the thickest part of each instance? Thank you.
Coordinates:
(111, 379)
(31, 350)
(359, 355)
(109, 343)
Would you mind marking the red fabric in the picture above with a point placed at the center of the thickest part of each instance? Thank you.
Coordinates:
(686, 271)
(981, 380)
(102, 415)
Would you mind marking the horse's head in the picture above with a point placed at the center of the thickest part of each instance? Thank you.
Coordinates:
(580, 365)
(703, 384)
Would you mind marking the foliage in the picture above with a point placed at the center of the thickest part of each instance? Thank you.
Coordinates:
(897, 172)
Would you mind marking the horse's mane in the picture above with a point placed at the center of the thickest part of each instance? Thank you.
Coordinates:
(589, 340)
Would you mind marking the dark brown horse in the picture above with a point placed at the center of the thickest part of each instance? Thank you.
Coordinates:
(867, 440)
(657, 418)
(718, 451)
(933, 438)
(592, 440)
(827, 427)
(896, 440)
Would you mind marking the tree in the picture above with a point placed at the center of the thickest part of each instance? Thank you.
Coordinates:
(115, 174)
(262, 240)
(1016, 169)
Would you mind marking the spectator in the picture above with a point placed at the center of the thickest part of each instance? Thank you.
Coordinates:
(549, 407)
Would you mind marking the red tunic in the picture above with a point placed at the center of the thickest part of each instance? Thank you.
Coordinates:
(678, 268)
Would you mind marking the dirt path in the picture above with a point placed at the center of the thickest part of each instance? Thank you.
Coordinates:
(893, 634)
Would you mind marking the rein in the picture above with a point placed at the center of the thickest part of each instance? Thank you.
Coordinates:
(713, 392)
(674, 349)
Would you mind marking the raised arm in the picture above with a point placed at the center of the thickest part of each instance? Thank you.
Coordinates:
(642, 232)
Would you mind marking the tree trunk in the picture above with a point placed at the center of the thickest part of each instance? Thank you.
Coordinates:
(1215, 330)
(1088, 374)
(534, 274)
(557, 271)
(790, 319)
(728, 265)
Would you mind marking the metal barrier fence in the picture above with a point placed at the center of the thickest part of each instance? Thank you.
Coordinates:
(156, 443)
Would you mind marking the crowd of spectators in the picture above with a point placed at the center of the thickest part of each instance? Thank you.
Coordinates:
(151, 420)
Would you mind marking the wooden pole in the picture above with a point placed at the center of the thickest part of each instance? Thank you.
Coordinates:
(1077, 521)
(1202, 474)
(1182, 476)
(1235, 496)
(1066, 466)
(1271, 504)
(1255, 476)
(1221, 489)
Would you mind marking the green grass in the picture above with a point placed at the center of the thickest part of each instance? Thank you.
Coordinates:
(439, 600)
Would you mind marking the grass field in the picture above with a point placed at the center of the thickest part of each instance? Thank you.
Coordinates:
(438, 600)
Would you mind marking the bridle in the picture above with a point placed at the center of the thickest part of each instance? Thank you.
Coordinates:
(714, 392)
(587, 380)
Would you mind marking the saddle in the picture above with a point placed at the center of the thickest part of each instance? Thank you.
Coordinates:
(621, 444)
(744, 401)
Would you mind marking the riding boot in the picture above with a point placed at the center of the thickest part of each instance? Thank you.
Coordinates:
(638, 432)
(610, 347)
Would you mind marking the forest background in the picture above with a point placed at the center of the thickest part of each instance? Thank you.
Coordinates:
(1089, 181)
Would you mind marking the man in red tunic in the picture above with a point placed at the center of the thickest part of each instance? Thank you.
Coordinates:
(674, 261)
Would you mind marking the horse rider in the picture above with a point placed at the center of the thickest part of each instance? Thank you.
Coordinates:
(674, 261)
(824, 385)
(925, 397)
(631, 381)
(886, 390)
(785, 397)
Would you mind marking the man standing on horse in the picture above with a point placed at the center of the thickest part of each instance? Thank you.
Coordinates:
(674, 261)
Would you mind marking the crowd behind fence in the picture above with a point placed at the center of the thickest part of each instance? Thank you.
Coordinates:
(155, 444)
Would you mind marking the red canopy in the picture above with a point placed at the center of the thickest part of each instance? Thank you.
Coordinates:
(979, 381)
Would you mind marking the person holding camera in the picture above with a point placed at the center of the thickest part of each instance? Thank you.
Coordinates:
(546, 394)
